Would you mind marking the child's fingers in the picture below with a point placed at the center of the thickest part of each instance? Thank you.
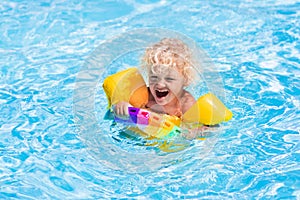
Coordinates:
(121, 109)
(124, 110)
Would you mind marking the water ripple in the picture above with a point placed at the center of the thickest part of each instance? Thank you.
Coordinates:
(43, 46)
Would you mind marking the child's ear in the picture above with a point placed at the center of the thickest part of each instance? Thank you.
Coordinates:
(186, 82)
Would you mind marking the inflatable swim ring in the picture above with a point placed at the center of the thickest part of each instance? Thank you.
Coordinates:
(128, 85)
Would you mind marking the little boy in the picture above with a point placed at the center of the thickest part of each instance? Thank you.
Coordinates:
(170, 70)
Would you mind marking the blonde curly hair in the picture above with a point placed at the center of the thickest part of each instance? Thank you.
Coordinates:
(169, 53)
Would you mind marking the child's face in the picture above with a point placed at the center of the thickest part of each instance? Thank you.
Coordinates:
(166, 85)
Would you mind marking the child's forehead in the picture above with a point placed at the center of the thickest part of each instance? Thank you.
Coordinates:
(164, 70)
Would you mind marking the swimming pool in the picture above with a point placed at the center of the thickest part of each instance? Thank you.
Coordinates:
(43, 150)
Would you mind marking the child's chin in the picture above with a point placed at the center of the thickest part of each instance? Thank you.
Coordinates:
(161, 101)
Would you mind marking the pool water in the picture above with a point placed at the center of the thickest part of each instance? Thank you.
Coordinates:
(54, 143)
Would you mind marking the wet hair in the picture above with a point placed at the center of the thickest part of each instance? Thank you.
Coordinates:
(169, 53)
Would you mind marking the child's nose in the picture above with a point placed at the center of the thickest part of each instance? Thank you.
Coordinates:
(161, 82)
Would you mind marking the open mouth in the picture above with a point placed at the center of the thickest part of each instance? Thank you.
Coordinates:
(161, 94)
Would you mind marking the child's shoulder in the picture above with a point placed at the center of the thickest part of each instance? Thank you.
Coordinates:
(187, 101)
(187, 95)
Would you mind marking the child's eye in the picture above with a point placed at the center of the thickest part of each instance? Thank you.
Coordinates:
(170, 79)
(153, 78)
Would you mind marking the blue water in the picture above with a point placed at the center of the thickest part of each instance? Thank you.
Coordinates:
(54, 146)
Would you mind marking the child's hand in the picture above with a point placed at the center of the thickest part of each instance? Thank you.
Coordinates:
(121, 108)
